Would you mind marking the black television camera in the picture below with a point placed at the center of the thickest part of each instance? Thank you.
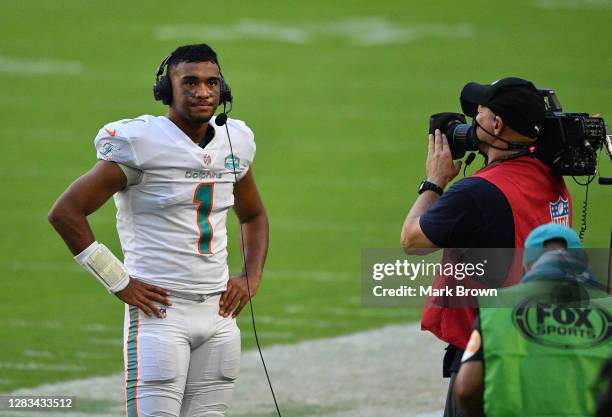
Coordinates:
(568, 142)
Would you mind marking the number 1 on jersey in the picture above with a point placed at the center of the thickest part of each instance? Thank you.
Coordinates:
(203, 196)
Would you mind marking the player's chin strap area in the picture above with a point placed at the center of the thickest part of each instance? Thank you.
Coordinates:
(221, 120)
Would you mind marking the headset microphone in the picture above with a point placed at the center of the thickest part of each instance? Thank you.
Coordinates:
(470, 158)
(221, 119)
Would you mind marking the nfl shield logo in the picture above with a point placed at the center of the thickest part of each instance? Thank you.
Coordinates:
(559, 211)
(207, 159)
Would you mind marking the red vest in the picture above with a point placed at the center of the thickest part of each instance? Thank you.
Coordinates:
(536, 196)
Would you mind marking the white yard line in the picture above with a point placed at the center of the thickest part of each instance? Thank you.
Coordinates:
(38, 353)
(243, 29)
(266, 335)
(393, 371)
(573, 4)
(35, 366)
(332, 226)
(359, 30)
(40, 266)
(37, 324)
(39, 67)
(105, 342)
(45, 266)
(309, 322)
(295, 309)
(311, 275)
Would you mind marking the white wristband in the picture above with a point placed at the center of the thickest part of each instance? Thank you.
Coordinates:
(100, 262)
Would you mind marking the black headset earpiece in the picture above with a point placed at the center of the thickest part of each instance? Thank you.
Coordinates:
(226, 92)
(162, 89)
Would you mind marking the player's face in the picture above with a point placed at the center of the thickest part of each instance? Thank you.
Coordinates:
(196, 88)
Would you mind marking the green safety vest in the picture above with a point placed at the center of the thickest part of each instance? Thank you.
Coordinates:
(542, 358)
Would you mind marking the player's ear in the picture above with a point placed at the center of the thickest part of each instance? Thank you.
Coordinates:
(498, 125)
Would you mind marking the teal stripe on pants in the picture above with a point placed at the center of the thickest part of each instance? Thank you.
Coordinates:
(132, 368)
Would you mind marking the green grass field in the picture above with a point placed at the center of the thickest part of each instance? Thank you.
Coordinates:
(339, 96)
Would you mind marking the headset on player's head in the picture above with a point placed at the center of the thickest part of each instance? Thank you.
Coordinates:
(162, 89)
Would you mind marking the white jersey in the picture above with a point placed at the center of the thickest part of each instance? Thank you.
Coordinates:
(172, 223)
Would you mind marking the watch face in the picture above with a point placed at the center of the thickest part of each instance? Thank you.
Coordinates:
(426, 185)
(422, 187)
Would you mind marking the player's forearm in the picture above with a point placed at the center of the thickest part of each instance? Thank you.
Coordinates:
(71, 225)
(255, 233)
(412, 237)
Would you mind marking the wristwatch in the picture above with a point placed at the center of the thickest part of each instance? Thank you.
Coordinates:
(428, 185)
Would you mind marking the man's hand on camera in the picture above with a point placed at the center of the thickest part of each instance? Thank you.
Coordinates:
(440, 167)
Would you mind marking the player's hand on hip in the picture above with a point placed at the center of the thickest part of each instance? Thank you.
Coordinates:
(144, 296)
(237, 295)
(440, 167)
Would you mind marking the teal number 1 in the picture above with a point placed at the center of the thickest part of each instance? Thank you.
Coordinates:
(203, 196)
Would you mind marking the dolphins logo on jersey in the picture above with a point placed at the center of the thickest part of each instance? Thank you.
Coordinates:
(107, 149)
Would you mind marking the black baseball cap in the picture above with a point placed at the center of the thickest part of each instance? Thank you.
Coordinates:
(517, 101)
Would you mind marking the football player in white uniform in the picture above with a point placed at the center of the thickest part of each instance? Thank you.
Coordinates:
(173, 179)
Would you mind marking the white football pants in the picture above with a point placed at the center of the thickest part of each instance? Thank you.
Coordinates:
(182, 365)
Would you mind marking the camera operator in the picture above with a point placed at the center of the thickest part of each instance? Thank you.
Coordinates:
(494, 208)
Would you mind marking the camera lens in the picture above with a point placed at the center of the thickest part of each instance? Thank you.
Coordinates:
(461, 138)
